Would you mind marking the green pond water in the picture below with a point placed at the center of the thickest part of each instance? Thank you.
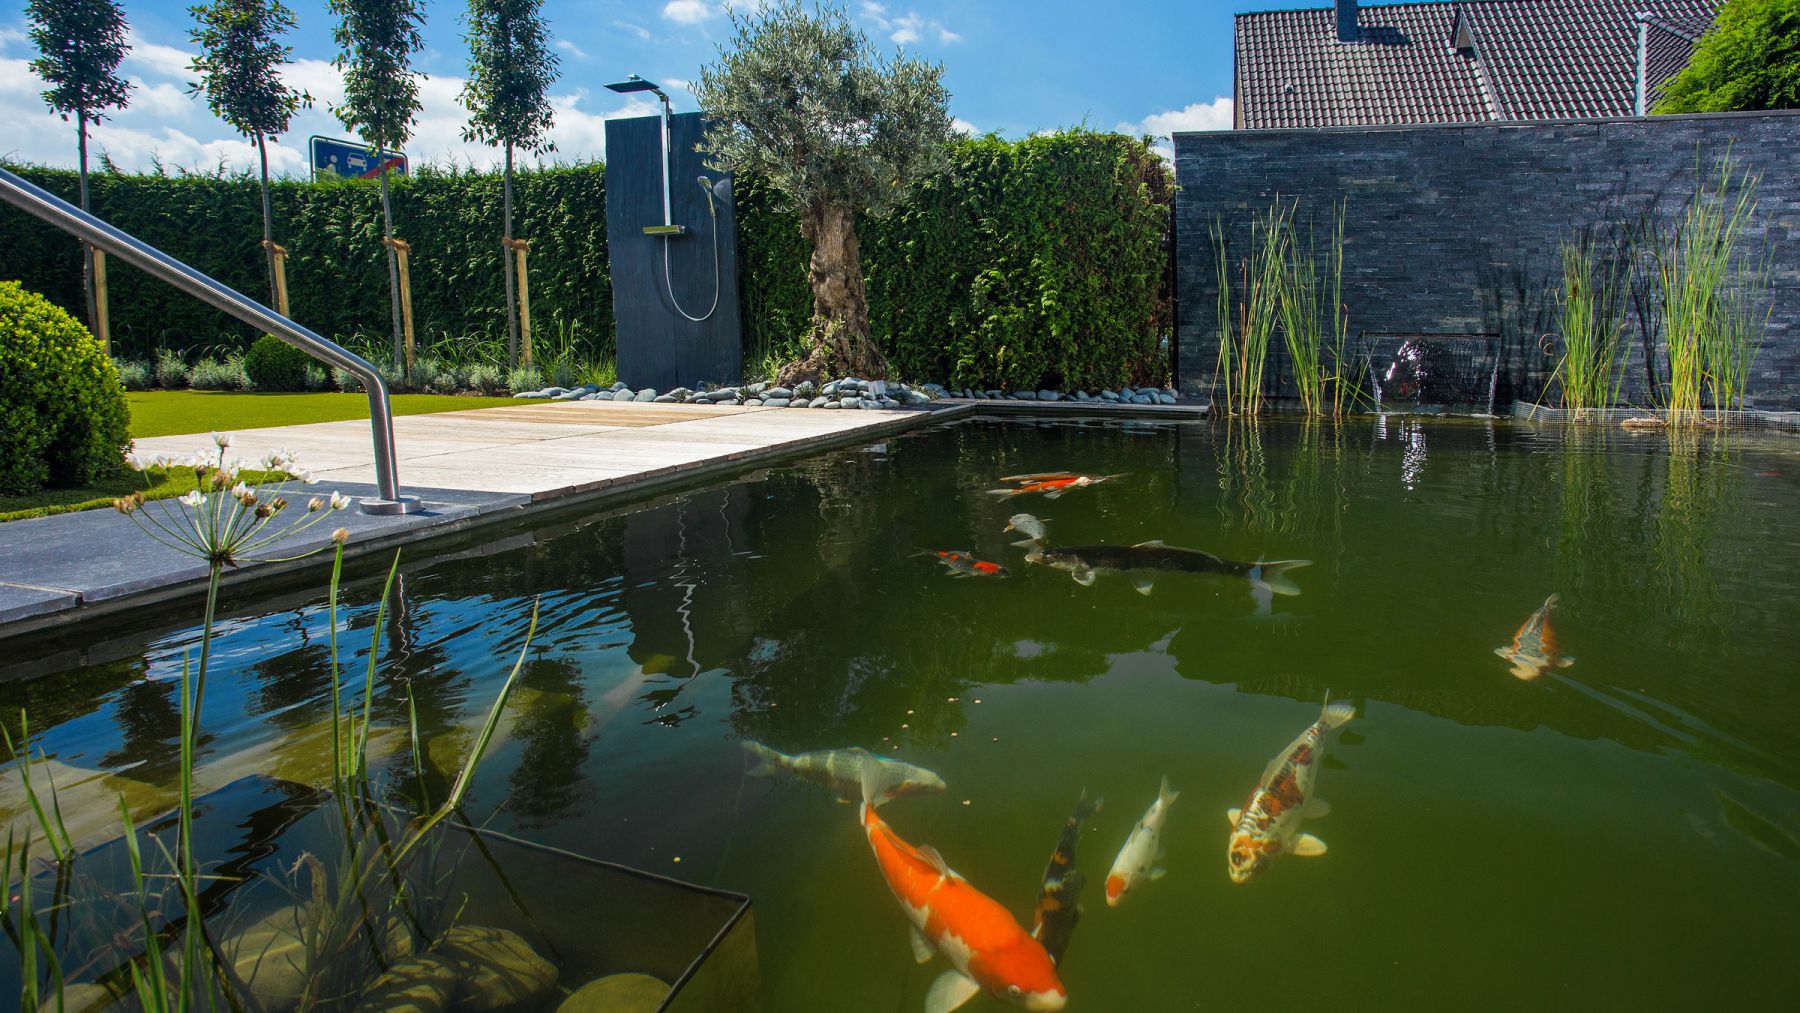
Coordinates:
(1621, 834)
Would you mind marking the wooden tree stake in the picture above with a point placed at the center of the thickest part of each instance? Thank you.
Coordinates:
(520, 248)
(280, 254)
(102, 317)
(403, 250)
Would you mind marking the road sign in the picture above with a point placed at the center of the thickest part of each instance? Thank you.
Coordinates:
(350, 160)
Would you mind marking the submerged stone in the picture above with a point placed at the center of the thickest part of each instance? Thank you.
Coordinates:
(617, 993)
(270, 957)
(424, 983)
(497, 970)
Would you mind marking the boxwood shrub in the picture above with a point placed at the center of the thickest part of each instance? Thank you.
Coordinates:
(63, 417)
(273, 364)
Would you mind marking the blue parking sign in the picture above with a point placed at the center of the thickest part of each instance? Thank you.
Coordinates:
(350, 160)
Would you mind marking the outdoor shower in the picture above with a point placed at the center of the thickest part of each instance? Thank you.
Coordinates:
(668, 230)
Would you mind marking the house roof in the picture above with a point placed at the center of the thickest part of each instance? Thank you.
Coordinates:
(1454, 62)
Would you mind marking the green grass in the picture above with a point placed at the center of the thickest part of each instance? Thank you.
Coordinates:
(153, 484)
(173, 412)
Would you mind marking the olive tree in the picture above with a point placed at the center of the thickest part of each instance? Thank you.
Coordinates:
(240, 74)
(376, 40)
(80, 44)
(802, 99)
(511, 70)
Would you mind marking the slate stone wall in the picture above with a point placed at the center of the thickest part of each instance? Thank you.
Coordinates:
(1455, 229)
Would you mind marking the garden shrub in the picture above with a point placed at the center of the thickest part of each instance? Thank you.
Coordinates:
(63, 417)
(171, 370)
(219, 374)
(523, 378)
(134, 374)
(273, 364)
(317, 379)
(486, 378)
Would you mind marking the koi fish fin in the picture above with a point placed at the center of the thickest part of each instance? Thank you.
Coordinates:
(1156, 873)
(1338, 712)
(1154, 543)
(1026, 544)
(1504, 652)
(1564, 662)
(922, 951)
(1314, 809)
(1551, 602)
(1274, 576)
(1003, 493)
(1164, 795)
(1307, 846)
(930, 854)
(1231, 816)
(768, 761)
(1143, 585)
(1083, 576)
(949, 991)
(1054, 494)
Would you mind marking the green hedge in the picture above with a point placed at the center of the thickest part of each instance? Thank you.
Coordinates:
(1025, 263)
(337, 276)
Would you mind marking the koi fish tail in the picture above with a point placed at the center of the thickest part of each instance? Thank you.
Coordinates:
(1272, 578)
(1337, 712)
(768, 761)
(877, 781)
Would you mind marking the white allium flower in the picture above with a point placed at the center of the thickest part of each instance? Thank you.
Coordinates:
(339, 501)
(222, 439)
(240, 490)
(193, 499)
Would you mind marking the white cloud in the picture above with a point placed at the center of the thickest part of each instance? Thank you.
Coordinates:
(638, 30)
(1214, 115)
(571, 48)
(963, 126)
(163, 123)
(903, 29)
(687, 12)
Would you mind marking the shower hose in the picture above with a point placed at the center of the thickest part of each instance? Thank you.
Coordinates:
(669, 278)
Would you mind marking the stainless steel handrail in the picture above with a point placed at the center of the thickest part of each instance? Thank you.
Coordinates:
(71, 219)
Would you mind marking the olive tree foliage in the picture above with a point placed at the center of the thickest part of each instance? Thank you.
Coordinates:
(376, 41)
(802, 99)
(511, 69)
(80, 44)
(240, 74)
(1749, 60)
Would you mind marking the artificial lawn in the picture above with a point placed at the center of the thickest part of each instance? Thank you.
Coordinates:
(173, 412)
(154, 484)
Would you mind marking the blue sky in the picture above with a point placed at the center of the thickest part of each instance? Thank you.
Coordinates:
(1013, 67)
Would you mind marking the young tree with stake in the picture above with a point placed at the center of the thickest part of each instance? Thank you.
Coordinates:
(802, 99)
(511, 70)
(80, 44)
(240, 75)
(376, 40)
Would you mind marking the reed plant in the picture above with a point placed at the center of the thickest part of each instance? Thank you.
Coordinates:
(1315, 323)
(1591, 318)
(1247, 327)
(365, 909)
(1706, 287)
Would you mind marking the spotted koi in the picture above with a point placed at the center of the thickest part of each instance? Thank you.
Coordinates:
(1059, 899)
(1143, 849)
(1050, 485)
(1269, 822)
(962, 564)
(1534, 649)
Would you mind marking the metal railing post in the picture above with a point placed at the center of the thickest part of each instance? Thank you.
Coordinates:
(65, 216)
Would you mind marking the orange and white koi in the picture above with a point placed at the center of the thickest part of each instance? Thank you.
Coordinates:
(1269, 823)
(987, 948)
(1050, 484)
(1534, 649)
(963, 564)
(1143, 849)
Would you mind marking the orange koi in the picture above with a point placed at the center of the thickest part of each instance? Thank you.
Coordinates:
(1050, 484)
(1534, 649)
(988, 950)
(962, 564)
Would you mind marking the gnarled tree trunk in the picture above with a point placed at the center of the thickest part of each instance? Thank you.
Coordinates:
(839, 342)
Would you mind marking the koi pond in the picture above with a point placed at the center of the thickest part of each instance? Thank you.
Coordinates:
(1595, 805)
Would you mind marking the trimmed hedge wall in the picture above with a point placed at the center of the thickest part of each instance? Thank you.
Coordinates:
(336, 269)
(1026, 263)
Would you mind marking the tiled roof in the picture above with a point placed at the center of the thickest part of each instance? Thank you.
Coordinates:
(1527, 59)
